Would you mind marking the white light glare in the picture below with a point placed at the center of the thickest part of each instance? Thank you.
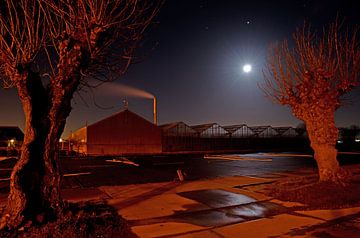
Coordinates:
(247, 68)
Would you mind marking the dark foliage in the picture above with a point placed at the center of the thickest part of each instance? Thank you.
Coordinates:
(79, 220)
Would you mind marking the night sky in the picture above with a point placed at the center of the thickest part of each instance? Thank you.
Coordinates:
(194, 67)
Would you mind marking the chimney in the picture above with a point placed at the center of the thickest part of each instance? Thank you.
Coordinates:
(155, 111)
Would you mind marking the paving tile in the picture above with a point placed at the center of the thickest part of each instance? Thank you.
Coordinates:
(256, 195)
(157, 206)
(216, 198)
(331, 214)
(200, 234)
(256, 210)
(211, 218)
(217, 183)
(164, 229)
(287, 204)
(276, 226)
(83, 194)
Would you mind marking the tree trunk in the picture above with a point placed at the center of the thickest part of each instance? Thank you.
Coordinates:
(34, 184)
(323, 135)
(35, 179)
(328, 166)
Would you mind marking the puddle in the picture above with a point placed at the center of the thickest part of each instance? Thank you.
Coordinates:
(256, 210)
(226, 208)
(216, 198)
(209, 218)
(251, 210)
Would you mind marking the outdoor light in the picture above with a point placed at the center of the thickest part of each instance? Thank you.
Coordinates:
(357, 140)
(11, 143)
(340, 141)
(247, 68)
(61, 140)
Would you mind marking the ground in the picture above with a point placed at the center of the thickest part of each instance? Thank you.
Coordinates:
(83, 219)
(307, 190)
(213, 201)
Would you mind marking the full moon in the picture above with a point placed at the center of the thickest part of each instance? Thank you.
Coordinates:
(247, 68)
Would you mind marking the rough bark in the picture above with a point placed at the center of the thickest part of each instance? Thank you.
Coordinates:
(35, 180)
(311, 75)
(81, 40)
(323, 134)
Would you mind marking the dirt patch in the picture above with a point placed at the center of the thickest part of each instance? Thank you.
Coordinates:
(317, 195)
(79, 220)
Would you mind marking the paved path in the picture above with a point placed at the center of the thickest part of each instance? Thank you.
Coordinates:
(228, 206)
(220, 207)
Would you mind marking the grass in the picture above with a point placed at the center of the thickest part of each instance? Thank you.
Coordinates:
(313, 194)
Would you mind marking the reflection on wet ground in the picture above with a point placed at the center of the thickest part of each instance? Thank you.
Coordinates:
(216, 198)
(209, 218)
(230, 215)
(226, 208)
(256, 210)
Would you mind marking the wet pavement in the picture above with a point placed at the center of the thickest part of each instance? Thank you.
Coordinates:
(94, 172)
(219, 195)
(228, 212)
(99, 172)
(224, 208)
(216, 198)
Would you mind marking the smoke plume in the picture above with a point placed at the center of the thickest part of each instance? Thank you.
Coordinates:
(127, 91)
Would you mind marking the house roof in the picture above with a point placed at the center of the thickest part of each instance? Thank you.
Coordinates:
(11, 132)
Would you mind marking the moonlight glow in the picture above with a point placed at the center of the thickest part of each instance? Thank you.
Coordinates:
(247, 68)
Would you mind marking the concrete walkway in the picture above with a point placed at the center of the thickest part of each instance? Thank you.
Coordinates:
(221, 207)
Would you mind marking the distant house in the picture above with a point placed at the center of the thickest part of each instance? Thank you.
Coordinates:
(11, 139)
(286, 131)
(122, 133)
(239, 131)
(264, 131)
(212, 130)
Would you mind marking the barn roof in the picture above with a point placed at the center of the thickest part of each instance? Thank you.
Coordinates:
(11, 132)
(121, 113)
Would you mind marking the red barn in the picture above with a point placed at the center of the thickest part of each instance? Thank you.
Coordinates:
(122, 133)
